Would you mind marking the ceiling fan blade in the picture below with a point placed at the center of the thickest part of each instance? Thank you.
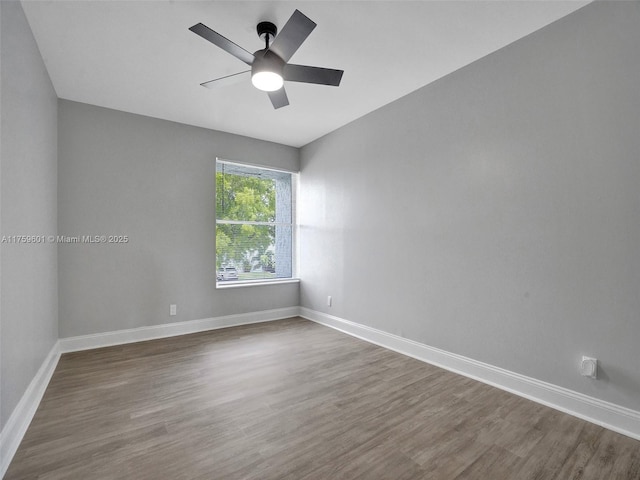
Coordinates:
(223, 42)
(306, 74)
(294, 32)
(228, 80)
(278, 98)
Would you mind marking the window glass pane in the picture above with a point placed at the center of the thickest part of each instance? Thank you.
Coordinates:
(254, 251)
(251, 194)
(244, 197)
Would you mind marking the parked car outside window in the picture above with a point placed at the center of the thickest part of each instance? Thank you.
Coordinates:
(227, 273)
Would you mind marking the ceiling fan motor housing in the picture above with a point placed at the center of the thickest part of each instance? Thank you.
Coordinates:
(267, 61)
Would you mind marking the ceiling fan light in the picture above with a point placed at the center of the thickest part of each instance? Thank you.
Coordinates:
(267, 81)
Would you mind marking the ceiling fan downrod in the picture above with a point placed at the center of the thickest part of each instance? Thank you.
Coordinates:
(266, 31)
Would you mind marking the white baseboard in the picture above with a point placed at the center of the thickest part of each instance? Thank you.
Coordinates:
(15, 428)
(608, 415)
(141, 334)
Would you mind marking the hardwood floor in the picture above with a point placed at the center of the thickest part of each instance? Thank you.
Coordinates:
(295, 400)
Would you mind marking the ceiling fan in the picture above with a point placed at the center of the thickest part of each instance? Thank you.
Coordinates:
(269, 67)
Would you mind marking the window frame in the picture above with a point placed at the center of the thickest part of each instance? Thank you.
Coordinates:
(293, 225)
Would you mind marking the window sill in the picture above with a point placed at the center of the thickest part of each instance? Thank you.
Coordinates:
(255, 283)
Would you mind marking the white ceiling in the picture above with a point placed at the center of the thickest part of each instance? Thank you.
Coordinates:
(140, 57)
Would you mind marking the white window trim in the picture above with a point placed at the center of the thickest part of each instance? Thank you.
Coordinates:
(256, 283)
(295, 254)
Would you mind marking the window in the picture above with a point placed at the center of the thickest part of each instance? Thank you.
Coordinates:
(254, 223)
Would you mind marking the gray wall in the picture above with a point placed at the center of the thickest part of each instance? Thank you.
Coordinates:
(496, 212)
(152, 180)
(29, 295)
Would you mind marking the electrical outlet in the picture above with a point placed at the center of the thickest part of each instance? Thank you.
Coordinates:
(589, 367)
(173, 309)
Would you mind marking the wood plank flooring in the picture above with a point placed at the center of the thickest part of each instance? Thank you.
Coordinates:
(293, 400)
